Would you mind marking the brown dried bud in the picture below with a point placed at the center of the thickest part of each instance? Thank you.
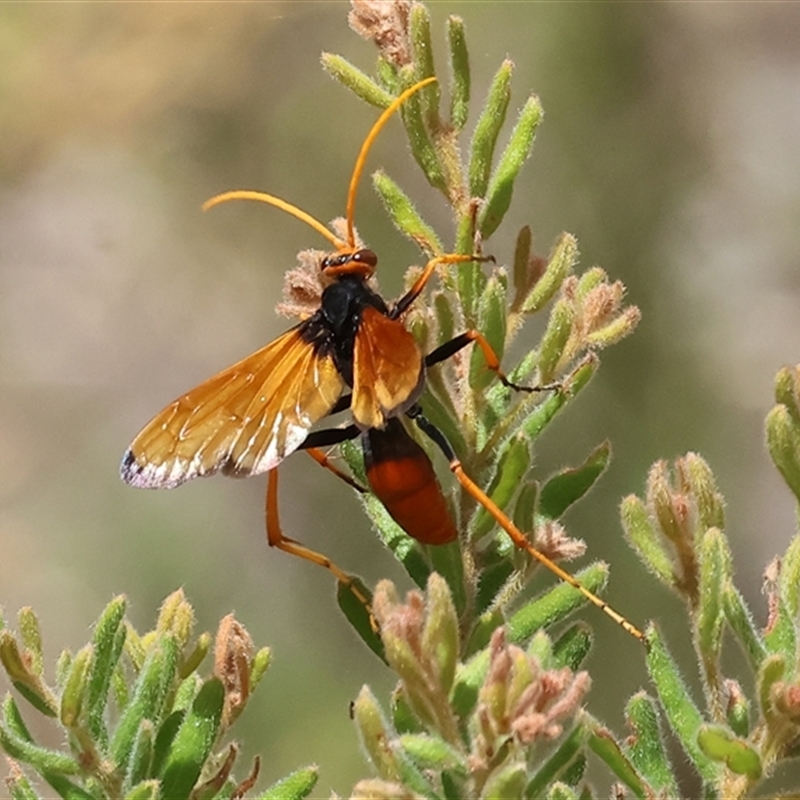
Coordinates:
(385, 22)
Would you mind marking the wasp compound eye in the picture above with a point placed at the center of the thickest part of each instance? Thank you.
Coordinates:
(365, 257)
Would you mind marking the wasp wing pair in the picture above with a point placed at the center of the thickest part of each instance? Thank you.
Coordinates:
(248, 418)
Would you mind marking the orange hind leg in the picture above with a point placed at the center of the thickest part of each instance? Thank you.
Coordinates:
(276, 538)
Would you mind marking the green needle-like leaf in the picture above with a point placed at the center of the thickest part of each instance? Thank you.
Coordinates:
(645, 746)
(25, 681)
(141, 761)
(737, 712)
(555, 605)
(492, 307)
(781, 638)
(13, 720)
(783, 441)
(508, 781)
(487, 130)
(522, 263)
(72, 697)
(146, 790)
(789, 579)
(405, 216)
(31, 635)
(602, 742)
(715, 565)
(556, 336)
(192, 661)
(544, 413)
(720, 744)
(431, 752)
(684, 717)
(740, 619)
(375, 732)
(355, 80)
(108, 642)
(512, 465)
(446, 560)
(561, 264)
(296, 786)
(459, 72)
(43, 759)
(569, 485)
(420, 34)
(421, 146)
(772, 670)
(572, 647)
(501, 184)
(66, 789)
(703, 487)
(258, 667)
(193, 741)
(445, 316)
(558, 762)
(386, 73)
(787, 391)
(525, 507)
(165, 737)
(155, 680)
(643, 536)
(359, 615)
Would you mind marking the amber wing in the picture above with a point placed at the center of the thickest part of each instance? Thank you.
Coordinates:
(388, 370)
(243, 421)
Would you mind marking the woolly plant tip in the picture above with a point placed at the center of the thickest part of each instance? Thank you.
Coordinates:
(233, 655)
(520, 699)
(787, 390)
(420, 637)
(671, 508)
(176, 617)
(703, 487)
(783, 441)
(384, 22)
(538, 279)
(375, 733)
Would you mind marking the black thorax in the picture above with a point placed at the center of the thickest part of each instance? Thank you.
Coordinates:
(332, 328)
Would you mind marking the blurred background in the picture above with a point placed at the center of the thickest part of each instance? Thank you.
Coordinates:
(669, 148)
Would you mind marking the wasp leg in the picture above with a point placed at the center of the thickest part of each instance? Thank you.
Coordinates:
(323, 460)
(401, 306)
(508, 526)
(459, 342)
(275, 538)
(327, 438)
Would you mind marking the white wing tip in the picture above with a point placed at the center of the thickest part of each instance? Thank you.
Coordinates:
(152, 476)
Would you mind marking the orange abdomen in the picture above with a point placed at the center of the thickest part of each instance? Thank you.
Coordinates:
(401, 476)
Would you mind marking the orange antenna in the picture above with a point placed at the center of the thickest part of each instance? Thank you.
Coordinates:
(365, 148)
(289, 208)
(271, 200)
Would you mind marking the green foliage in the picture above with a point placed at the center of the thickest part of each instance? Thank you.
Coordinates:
(678, 529)
(491, 682)
(732, 740)
(492, 428)
(138, 718)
